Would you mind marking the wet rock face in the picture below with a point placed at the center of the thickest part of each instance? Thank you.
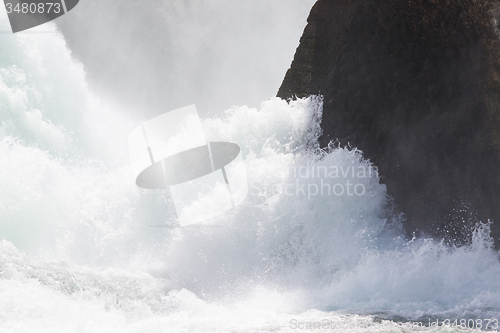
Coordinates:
(416, 86)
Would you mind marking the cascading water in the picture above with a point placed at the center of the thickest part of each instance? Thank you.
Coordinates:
(314, 242)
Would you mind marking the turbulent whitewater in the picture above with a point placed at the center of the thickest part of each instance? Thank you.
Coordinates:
(315, 241)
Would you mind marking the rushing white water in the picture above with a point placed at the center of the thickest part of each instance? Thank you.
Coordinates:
(314, 242)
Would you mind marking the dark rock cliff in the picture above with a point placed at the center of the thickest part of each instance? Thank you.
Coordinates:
(416, 86)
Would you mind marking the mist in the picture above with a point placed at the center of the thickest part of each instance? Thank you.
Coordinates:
(154, 56)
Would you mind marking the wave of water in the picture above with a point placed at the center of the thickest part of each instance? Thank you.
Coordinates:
(77, 254)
